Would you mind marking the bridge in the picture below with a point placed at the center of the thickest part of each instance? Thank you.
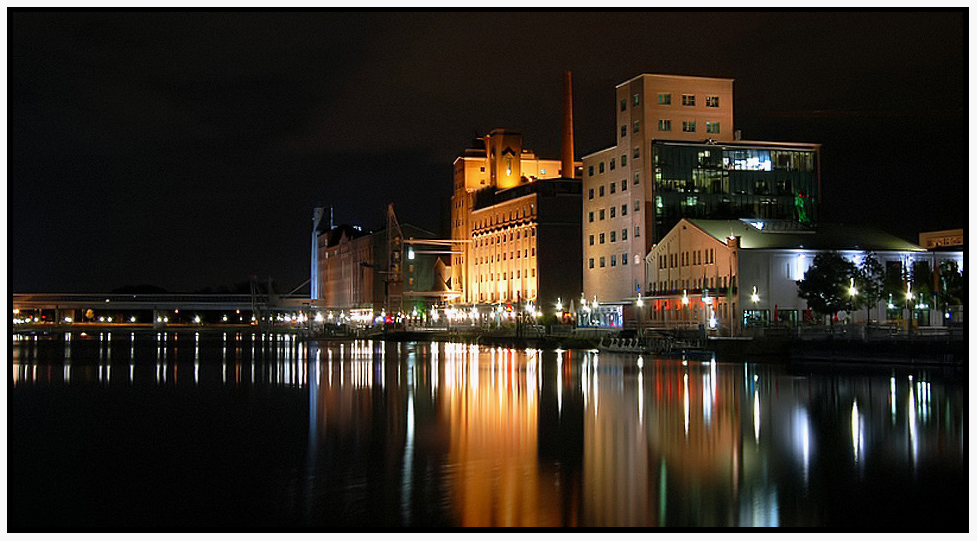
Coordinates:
(76, 307)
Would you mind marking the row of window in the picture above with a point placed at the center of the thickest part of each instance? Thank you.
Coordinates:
(515, 254)
(665, 98)
(685, 259)
(688, 126)
(624, 211)
(693, 284)
(517, 275)
(636, 153)
(613, 235)
(501, 217)
(603, 261)
(499, 238)
(482, 297)
(613, 188)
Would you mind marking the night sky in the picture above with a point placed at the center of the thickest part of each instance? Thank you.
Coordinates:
(187, 151)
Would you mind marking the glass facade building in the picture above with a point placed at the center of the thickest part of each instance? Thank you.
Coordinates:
(732, 181)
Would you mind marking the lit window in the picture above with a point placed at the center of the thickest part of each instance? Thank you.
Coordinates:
(664, 125)
(688, 100)
(712, 101)
(664, 98)
(637, 126)
(712, 127)
(637, 100)
(688, 125)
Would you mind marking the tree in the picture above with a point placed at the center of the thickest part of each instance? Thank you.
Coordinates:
(870, 283)
(826, 283)
(951, 284)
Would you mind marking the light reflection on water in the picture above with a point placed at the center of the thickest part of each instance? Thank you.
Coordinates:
(464, 435)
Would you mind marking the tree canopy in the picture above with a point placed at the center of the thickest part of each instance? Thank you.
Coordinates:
(826, 283)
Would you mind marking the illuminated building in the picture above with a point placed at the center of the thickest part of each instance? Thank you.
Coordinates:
(677, 156)
(517, 216)
(729, 274)
(353, 270)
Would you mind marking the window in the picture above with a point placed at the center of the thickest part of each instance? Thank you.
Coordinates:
(591, 216)
(664, 98)
(637, 126)
(624, 160)
(590, 194)
(590, 170)
(688, 100)
(613, 260)
(637, 179)
(624, 105)
(624, 234)
(591, 262)
(613, 187)
(688, 126)
(712, 101)
(600, 167)
(591, 240)
(612, 163)
(601, 214)
(624, 185)
(637, 100)
(624, 259)
(613, 236)
(600, 191)
(637, 231)
(602, 238)
(613, 210)
(624, 131)
(637, 152)
(624, 209)
(712, 127)
(664, 124)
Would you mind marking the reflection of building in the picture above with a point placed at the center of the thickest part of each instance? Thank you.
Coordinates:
(723, 274)
(667, 165)
(518, 217)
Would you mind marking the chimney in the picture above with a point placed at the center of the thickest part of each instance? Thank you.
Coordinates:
(567, 164)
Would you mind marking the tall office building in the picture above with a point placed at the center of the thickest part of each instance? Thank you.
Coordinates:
(677, 156)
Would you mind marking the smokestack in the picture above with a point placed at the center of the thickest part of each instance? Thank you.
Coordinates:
(567, 127)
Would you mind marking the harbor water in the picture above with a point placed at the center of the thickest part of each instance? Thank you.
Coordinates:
(234, 431)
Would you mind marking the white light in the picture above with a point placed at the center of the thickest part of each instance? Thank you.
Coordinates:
(755, 297)
(851, 287)
(132, 319)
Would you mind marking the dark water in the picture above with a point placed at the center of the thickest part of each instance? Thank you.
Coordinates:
(220, 431)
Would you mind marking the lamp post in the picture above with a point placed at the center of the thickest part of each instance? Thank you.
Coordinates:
(909, 306)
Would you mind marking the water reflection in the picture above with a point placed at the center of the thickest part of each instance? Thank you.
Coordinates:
(403, 434)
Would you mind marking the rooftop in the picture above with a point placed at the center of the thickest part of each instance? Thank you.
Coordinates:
(773, 234)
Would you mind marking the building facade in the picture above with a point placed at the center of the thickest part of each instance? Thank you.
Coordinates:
(500, 216)
(677, 156)
(727, 275)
